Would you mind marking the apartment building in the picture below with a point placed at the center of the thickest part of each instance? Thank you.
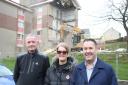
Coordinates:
(14, 18)
(51, 20)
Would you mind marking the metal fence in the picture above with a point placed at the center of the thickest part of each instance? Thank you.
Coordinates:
(119, 61)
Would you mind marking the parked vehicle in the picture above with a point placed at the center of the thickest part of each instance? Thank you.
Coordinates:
(6, 76)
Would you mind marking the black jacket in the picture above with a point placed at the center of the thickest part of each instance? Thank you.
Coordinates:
(57, 75)
(30, 69)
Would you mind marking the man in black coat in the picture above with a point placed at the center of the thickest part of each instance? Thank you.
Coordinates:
(31, 67)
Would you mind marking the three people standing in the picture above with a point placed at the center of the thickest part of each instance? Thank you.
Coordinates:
(32, 68)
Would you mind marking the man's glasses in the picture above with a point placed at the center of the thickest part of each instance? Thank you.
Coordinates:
(59, 52)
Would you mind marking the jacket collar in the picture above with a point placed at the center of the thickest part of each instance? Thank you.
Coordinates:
(98, 65)
(33, 54)
(67, 67)
(82, 68)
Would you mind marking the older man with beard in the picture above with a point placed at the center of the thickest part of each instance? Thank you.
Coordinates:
(93, 71)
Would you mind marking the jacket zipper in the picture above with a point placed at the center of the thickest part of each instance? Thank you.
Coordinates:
(30, 64)
(25, 64)
(60, 82)
(32, 67)
(61, 78)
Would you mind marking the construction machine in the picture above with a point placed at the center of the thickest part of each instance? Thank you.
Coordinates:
(75, 30)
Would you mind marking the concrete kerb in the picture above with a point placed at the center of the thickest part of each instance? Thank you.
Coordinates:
(123, 82)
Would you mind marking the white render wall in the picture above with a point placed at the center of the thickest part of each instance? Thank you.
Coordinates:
(7, 43)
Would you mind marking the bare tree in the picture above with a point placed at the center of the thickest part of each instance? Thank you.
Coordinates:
(119, 12)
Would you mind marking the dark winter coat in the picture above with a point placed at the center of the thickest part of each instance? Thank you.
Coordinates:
(30, 69)
(102, 74)
(60, 76)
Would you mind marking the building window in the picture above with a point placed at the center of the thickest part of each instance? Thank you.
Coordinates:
(38, 32)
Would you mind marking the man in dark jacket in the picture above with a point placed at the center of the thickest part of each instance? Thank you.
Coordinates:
(30, 68)
(93, 71)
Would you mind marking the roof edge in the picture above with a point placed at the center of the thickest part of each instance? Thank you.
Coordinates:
(41, 3)
(76, 4)
(18, 5)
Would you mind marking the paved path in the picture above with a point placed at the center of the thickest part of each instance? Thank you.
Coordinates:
(123, 82)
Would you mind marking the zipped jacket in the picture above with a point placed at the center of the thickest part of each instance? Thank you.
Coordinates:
(30, 69)
(60, 76)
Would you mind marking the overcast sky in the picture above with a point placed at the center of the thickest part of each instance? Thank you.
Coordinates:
(87, 19)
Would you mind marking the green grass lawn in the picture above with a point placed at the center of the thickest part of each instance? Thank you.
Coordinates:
(114, 46)
(8, 62)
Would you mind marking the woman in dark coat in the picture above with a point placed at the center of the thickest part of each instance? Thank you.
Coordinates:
(60, 71)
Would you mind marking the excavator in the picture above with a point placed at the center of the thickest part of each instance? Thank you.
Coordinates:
(62, 30)
(75, 30)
